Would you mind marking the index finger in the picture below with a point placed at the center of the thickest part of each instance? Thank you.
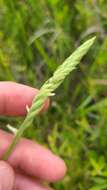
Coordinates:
(33, 159)
(14, 97)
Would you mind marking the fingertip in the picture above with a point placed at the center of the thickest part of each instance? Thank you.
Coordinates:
(46, 165)
(57, 170)
(14, 98)
(62, 170)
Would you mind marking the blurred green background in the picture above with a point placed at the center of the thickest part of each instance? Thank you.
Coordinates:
(35, 37)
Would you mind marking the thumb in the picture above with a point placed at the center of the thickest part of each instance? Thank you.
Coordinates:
(6, 176)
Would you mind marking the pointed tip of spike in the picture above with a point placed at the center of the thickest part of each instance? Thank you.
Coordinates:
(91, 40)
(87, 44)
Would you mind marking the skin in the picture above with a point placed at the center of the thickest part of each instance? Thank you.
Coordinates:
(30, 164)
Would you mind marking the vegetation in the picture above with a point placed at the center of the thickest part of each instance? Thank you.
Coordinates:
(47, 90)
(35, 37)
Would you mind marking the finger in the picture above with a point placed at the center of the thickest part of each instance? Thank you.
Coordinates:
(33, 159)
(6, 176)
(24, 182)
(14, 97)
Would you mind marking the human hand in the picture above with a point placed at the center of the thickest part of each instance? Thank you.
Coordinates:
(30, 164)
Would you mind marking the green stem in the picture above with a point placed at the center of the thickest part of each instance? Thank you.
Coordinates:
(26, 123)
(47, 90)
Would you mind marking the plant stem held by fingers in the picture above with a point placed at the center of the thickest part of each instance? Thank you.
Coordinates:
(48, 89)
